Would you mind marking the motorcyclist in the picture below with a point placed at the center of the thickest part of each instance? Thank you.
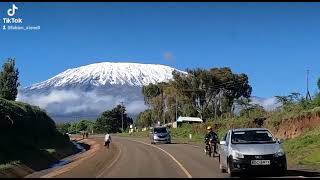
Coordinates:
(214, 138)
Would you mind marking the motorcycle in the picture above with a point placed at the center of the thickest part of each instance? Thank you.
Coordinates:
(209, 143)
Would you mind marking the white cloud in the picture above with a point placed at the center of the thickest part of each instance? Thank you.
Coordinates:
(268, 103)
(67, 102)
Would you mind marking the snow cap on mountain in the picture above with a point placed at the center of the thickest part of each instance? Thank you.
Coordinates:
(111, 73)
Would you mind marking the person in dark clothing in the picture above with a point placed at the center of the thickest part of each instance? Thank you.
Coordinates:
(214, 138)
(87, 134)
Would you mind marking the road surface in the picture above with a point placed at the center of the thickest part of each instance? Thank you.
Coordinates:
(137, 158)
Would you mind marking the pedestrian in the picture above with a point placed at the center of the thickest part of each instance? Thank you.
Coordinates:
(107, 140)
(82, 134)
(87, 134)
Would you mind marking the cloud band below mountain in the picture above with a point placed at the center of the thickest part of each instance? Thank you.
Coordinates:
(64, 102)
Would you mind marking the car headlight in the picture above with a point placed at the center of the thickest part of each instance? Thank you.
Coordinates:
(237, 155)
(279, 153)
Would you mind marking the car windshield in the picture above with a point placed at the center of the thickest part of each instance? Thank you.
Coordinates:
(252, 136)
(160, 130)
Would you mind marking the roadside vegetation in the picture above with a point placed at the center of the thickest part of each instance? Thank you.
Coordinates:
(28, 135)
(213, 95)
(8, 165)
(109, 121)
(305, 149)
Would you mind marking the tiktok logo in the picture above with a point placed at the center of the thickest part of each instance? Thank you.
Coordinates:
(12, 11)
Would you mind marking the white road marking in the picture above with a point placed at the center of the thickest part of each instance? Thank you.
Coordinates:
(174, 159)
(112, 163)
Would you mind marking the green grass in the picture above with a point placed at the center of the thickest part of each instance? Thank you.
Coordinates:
(313, 158)
(8, 165)
(134, 134)
(305, 149)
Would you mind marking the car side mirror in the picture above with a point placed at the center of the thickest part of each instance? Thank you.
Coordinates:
(222, 142)
(280, 141)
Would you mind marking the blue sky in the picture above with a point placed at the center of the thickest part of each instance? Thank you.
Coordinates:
(273, 43)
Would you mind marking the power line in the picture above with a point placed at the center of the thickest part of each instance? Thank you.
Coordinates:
(218, 87)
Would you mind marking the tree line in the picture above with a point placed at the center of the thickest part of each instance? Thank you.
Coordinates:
(211, 94)
(199, 93)
(109, 121)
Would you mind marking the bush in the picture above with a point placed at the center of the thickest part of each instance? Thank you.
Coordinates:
(25, 128)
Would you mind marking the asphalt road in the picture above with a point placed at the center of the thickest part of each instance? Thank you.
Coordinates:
(137, 158)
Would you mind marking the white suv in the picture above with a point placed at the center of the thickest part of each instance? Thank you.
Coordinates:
(251, 149)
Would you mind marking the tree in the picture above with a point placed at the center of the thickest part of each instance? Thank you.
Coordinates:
(284, 100)
(9, 82)
(213, 89)
(150, 91)
(200, 92)
(290, 99)
(294, 97)
(82, 126)
(245, 104)
(111, 120)
(63, 127)
(144, 119)
(318, 83)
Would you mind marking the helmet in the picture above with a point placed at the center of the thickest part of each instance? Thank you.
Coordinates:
(209, 128)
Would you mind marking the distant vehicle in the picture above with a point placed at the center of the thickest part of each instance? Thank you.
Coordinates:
(71, 133)
(160, 134)
(251, 149)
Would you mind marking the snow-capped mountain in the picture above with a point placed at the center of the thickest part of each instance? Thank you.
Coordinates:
(91, 89)
(109, 73)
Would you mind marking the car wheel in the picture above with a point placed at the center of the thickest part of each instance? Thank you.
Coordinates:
(221, 167)
(229, 170)
(282, 171)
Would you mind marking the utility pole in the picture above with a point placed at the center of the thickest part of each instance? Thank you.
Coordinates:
(176, 108)
(163, 108)
(308, 96)
(122, 114)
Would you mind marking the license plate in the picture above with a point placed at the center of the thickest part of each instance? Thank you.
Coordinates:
(260, 162)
